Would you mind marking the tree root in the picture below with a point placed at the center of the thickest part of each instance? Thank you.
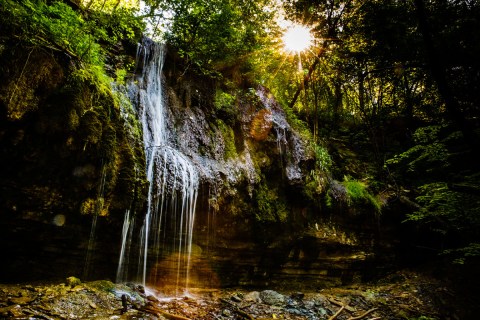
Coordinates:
(339, 304)
(337, 313)
(350, 309)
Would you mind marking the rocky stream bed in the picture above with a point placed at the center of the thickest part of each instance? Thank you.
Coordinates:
(401, 295)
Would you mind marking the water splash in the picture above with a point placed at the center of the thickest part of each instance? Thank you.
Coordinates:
(167, 228)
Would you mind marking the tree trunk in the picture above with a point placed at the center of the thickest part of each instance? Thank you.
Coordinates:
(308, 76)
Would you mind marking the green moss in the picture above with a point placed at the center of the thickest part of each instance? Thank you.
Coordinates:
(315, 184)
(269, 205)
(91, 127)
(73, 281)
(224, 100)
(358, 194)
(35, 71)
(228, 138)
(102, 285)
(56, 73)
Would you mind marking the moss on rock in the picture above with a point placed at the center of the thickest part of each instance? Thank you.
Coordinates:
(270, 206)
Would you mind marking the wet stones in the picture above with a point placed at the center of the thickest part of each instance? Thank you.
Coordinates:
(272, 298)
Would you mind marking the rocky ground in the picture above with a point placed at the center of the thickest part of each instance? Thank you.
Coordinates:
(402, 295)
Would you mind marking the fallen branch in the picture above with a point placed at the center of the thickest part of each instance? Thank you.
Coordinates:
(339, 304)
(363, 315)
(337, 313)
(237, 310)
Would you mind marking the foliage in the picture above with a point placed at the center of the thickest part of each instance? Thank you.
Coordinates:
(463, 254)
(429, 154)
(108, 5)
(216, 35)
(445, 183)
(225, 105)
(323, 161)
(119, 25)
(55, 25)
(446, 209)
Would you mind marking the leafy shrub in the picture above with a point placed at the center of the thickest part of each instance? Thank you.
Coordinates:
(447, 209)
(430, 153)
(323, 161)
(225, 105)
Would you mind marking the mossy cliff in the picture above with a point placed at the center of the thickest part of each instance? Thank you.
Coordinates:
(70, 144)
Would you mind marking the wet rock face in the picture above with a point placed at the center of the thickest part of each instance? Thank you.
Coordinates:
(253, 224)
(263, 139)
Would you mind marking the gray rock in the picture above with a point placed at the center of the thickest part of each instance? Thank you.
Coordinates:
(272, 298)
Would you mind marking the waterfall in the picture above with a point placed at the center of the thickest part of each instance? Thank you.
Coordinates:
(167, 227)
(122, 269)
(96, 213)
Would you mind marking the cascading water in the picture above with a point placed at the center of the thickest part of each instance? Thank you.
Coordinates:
(91, 240)
(122, 269)
(166, 234)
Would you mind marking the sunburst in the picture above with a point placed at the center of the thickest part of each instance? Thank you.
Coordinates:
(297, 38)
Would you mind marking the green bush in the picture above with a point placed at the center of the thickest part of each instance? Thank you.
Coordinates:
(323, 161)
(225, 106)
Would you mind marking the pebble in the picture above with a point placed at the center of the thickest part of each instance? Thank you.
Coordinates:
(226, 313)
